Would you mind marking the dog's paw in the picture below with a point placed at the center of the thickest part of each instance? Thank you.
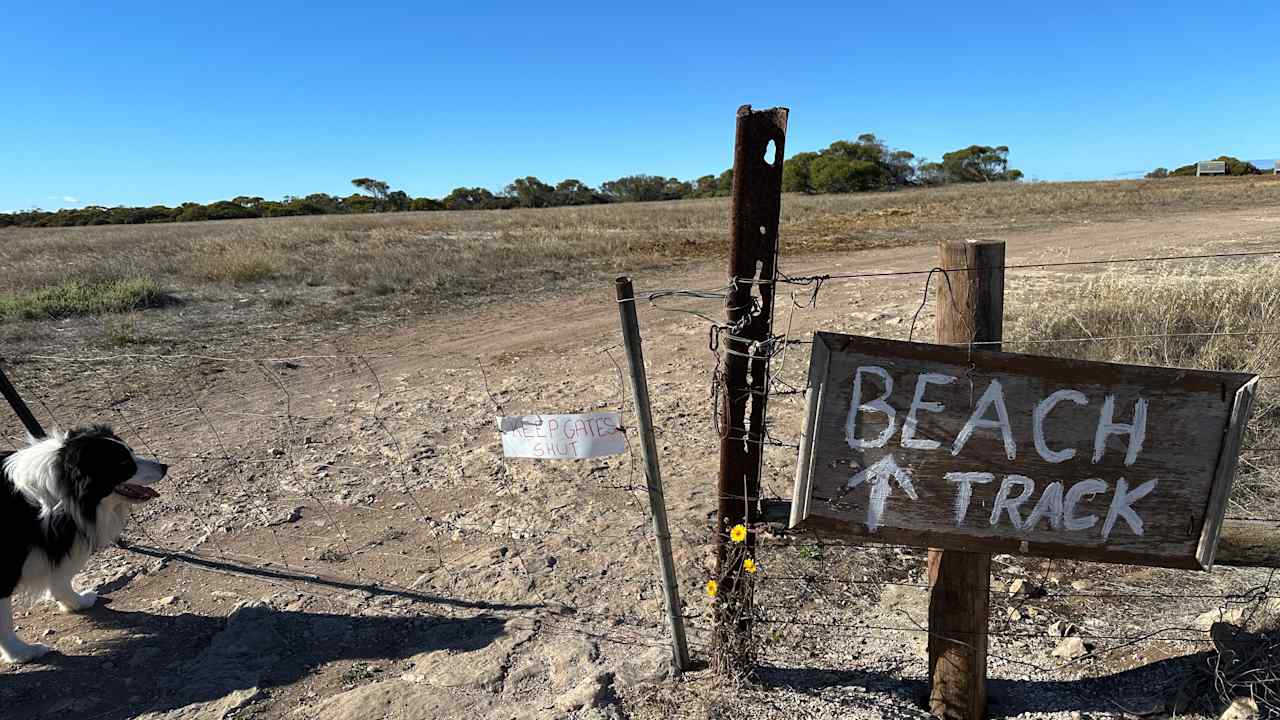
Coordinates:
(82, 601)
(23, 653)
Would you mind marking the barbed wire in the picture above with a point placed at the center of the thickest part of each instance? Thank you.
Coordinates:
(804, 280)
(507, 531)
(792, 585)
(771, 350)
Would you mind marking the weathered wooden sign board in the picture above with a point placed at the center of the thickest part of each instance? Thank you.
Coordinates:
(980, 450)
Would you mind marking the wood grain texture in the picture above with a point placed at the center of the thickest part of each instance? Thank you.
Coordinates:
(1241, 543)
(1221, 492)
(631, 340)
(1249, 543)
(970, 310)
(1187, 417)
(812, 398)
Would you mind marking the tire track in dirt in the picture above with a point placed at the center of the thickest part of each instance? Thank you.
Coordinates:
(540, 353)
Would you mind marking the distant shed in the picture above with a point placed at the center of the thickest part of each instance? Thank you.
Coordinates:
(1277, 170)
(1211, 167)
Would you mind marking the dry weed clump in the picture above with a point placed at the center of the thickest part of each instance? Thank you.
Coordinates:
(74, 298)
(1182, 319)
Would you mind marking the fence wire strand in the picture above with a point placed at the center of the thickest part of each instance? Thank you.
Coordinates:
(456, 540)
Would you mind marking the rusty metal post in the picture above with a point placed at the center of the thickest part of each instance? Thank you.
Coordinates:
(24, 413)
(757, 204)
(970, 309)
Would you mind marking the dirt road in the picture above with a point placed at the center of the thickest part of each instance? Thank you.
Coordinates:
(341, 538)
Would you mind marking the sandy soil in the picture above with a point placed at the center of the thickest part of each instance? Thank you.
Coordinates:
(340, 536)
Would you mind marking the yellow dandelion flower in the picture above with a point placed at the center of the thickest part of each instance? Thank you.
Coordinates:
(738, 533)
(749, 565)
(712, 588)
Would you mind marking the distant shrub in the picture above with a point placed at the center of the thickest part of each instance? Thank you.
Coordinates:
(1235, 166)
(75, 299)
(866, 163)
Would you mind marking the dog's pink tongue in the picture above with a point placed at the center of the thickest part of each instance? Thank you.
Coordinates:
(137, 492)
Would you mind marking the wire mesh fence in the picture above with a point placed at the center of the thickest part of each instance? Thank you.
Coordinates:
(374, 483)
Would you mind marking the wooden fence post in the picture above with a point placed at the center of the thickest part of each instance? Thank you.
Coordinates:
(652, 472)
(970, 304)
(757, 204)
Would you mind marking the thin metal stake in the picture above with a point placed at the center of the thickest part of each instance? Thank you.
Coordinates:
(652, 474)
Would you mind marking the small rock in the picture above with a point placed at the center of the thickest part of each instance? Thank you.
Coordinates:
(570, 662)
(167, 600)
(1241, 709)
(1081, 585)
(292, 515)
(650, 666)
(1234, 616)
(1025, 588)
(592, 692)
(1062, 629)
(1072, 648)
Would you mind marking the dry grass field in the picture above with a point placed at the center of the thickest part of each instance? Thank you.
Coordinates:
(341, 537)
(425, 259)
(1166, 319)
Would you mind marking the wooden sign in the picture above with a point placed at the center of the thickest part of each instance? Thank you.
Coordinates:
(979, 450)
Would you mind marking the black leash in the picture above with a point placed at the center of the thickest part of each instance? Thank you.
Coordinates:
(20, 407)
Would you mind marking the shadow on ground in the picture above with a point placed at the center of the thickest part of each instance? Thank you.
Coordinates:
(159, 663)
(1135, 691)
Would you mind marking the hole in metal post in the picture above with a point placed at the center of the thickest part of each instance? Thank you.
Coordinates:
(756, 298)
(770, 153)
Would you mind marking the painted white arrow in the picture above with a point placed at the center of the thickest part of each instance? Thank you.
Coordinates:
(878, 476)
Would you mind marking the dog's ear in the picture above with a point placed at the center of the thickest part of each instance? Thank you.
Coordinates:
(93, 463)
(93, 431)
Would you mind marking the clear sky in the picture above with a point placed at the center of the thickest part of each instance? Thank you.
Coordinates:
(138, 104)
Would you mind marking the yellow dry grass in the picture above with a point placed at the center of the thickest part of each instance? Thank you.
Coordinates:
(1218, 321)
(445, 255)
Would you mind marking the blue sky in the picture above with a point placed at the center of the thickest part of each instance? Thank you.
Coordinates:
(168, 102)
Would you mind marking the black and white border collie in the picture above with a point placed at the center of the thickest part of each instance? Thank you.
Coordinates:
(62, 498)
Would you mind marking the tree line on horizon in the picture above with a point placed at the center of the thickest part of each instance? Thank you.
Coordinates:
(862, 165)
(1235, 166)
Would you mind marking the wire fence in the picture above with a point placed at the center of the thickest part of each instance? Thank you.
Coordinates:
(374, 481)
(844, 586)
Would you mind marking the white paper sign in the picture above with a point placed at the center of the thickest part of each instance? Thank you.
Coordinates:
(562, 437)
